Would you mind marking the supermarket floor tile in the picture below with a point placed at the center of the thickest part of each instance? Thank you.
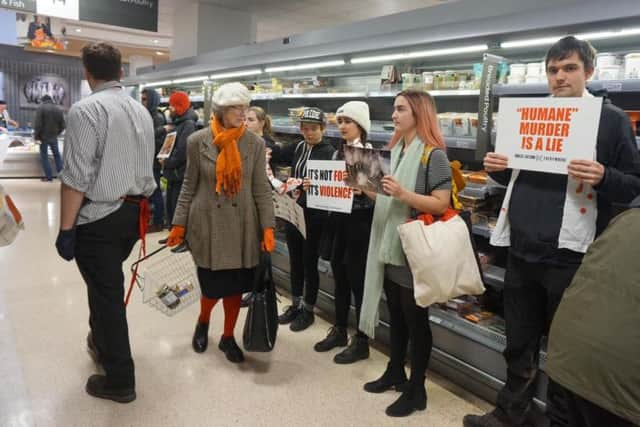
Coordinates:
(44, 365)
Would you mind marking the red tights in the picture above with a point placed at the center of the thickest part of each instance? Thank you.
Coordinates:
(231, 310)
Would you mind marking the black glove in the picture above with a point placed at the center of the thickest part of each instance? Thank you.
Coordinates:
(66, 244)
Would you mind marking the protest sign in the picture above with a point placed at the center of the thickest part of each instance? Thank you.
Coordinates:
(366, 168)
(546, 134)
(286, 208)
(167, 145)
(328, 191)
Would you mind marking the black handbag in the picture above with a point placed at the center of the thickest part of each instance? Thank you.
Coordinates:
(261, 325)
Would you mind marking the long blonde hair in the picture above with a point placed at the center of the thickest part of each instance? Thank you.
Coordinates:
(263, 117)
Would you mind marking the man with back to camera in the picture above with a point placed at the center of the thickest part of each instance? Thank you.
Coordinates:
(48, 125)
(108, 174)
(547, 243)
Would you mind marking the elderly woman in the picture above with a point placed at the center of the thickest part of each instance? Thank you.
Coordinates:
(225, 212)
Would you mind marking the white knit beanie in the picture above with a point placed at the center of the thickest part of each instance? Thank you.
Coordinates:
(357, 111)
(231, 94)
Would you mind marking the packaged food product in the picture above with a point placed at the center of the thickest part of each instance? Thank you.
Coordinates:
(532, 79)
(451, 79)
(479, 177)
(477, 70)
(533, 69)
(407, 80)
(446, 124)
(460, 124)
(427, 80)
(516, 80)
(605, 59)
(632, 66)
(438, 80)
(517, 70)
(609, 72)
(479, 316)
(473, 125)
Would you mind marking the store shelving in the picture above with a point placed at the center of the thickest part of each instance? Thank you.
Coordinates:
(613, 86)
(494, 276)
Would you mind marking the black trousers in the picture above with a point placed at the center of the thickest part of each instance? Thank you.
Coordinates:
(409, 323)
(173, 192)
(303, 256)
(348, 278)
(532, 294)
(584, 413)
(101, 248)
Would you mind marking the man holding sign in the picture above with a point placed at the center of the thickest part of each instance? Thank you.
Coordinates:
(558, 200)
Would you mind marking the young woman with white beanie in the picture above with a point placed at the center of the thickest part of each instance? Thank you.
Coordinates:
(349, 241)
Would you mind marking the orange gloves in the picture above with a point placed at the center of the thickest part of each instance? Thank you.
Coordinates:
(268, 240)
(176, 236)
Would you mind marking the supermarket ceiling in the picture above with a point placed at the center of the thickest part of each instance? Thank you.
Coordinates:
(279, 18)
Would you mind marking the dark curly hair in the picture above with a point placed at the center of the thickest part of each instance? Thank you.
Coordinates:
(103, 61)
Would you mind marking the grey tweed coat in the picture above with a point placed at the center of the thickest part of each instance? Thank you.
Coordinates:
(224, 233)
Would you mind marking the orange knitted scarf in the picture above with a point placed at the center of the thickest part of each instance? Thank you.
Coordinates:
(228, 165)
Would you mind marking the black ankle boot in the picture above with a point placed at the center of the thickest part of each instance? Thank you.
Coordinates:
(98, 386)
(336, 337)
(358, 350)
(200, 337)
(392, 378)
(231, 350)
(412, 399)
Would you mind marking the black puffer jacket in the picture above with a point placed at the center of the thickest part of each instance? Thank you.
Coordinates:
(176, 164)
(153, 101)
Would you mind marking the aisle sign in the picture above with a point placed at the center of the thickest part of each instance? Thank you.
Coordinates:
(546, 134)
(28, 6)
(328, 191)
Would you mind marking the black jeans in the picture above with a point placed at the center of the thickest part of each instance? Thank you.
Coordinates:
(303, 256)
(101, 248)
(173, 192)
(348, 279)
(157, 202)
(409, 322)
(532, 294)
(584, 413)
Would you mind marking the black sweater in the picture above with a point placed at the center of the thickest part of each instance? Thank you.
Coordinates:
(537, 200)
(176, 164)
(322, 151)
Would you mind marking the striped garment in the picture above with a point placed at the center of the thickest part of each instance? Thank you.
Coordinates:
(108, 150)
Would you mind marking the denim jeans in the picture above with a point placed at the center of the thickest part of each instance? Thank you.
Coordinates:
(44, 156)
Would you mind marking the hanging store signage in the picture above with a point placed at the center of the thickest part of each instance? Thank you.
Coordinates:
(485, 104)
(328, 191)
(19, 5)
(32, 89)
(546, 134)
(138, 14)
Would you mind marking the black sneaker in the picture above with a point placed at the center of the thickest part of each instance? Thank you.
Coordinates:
(200, 339)
(492, 419)
(336, 337)
(289, 315)
(413, 399)
(358, 350)
(230, 349)
(395, 378)
(302, 321)
(97, 386)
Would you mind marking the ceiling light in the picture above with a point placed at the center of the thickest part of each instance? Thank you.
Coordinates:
(191, 79)
(78, 30)
(600, 35)
(420, 54)
(308, 66)
(159, 53)
(156, 41)
(231, 74)
(162, 83)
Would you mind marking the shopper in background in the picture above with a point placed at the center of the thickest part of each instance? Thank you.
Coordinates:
(259, 122)
(48, 125)
(594, 351)
(225, 212)
(349, 237)
(5, 118)
(547, 244)
(107, 176)
(418, 183)
(184, 124)
(151, 99)
(304, 253)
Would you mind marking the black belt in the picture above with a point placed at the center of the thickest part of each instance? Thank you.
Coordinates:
(133, 199)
